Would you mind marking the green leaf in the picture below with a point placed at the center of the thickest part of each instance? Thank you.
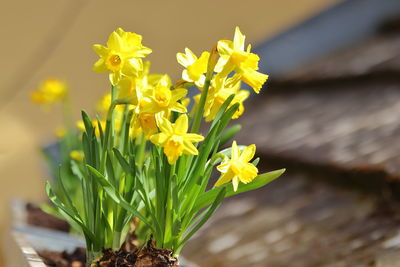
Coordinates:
(115, 195)
(222, 109)
(76, 170)
(227, 117)
(124, 164)
(87, 122)
(220, 195)
(256, 161)
(206, 198)
(101, 131)
(229, 133)
(54, 199)
(110, 170)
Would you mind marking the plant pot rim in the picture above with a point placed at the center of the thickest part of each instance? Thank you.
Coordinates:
(32, 259)
(30, 239)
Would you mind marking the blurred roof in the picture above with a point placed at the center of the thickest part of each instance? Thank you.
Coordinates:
(338, 111)
(333, 123)
(344, 24)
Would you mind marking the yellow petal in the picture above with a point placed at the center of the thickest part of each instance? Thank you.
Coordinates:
(115, 77)
(114, 41)
(248, 153)
(100, 66)
(143, 51)
(190, 55)
(164, 124)
(225, 178)
(248, 173)
(252, 61)
(200, 83)
(120, 31)
(178, 94)
(254, 78)
(185, 76)
(225, 47)
(238, 40)
(204, 57)
(194, 137)
(242, 95)
(223, 167)
(222, 61)
(189, 148)
(165, 81)
(181, 124)
(159, 139)
(178, 107)
(172, 159)
(132, 67)
(182, 59)
(100, 50)
(235, 151)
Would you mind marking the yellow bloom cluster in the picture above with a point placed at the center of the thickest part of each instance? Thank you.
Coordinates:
(148, 95)
(152, 97)
(49, 92)
(233, 58)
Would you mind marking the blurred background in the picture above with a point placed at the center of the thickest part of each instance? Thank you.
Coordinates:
(329, 114)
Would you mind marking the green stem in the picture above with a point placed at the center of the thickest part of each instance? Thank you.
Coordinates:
(168, 216)
(142, 149)
(107, 136)
(116, 240)
(212, 61)
(200, 109)
(125, 146)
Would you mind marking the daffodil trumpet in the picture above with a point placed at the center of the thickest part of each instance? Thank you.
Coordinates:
(146, 154)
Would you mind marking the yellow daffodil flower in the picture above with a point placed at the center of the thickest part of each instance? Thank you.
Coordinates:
(162, 99)
(195, 67)
(238, 168)
(122, 56)
(76, 155)
(224, 88)
(132, 89)
(143, 122)
(128, 87)
(174, 138)
(221, 89)
(233, 57)
(50, 91)
(185, 101)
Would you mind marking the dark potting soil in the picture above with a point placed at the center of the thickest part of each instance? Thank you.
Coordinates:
(37, 217)
(148, 256)
(63, 258)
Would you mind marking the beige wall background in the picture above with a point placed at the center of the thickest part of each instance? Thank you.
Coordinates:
(53, 38)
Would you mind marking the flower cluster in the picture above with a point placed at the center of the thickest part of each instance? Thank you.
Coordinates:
(49, 92)
(146, 154)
